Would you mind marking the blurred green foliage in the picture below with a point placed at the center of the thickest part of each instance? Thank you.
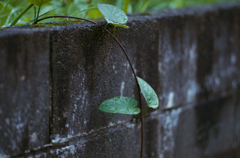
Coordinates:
(86, 8)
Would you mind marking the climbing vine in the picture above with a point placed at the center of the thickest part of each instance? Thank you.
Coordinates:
(120, 104)
(113, 15)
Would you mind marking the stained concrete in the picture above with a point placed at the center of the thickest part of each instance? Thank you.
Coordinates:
(24, 91)
(189, 57)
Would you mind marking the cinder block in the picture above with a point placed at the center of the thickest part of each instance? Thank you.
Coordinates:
(119, 141)
(203, 130)
(198, 56)
(89, 67)
(189, 57)
(24, 90)
(236, 115)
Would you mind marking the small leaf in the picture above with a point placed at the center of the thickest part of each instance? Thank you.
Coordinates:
(122, 105)
(112, 14)
(148, 93)
(39, 3)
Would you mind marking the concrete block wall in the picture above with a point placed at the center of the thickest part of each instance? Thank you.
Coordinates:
(24, 91)
(54, 78)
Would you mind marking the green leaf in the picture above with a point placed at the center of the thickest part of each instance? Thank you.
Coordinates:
(122, 105)
(39, 3)
(148, 93)
(112, 14)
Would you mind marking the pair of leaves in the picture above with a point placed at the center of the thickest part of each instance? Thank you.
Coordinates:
(125, 105)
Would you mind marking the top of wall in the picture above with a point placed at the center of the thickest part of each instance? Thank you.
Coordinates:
(149, 15)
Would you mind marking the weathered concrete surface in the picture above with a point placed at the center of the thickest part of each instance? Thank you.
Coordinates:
(200, 74)
(208, 129)
(184, 59)
(203, 56)
(24, 91)
(114, 141)
(202, 53)
(189, 56)
(89, 67)
(182, 55)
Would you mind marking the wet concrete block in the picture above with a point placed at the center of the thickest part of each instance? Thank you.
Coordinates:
(24, 91)
(237, 120)
(89, 67)
(198, 56)
(203, 130)
(177, 60)
(152, 139)
(108, 144)
(182, 57)
(115, 141)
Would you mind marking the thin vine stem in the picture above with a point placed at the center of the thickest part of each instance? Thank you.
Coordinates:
(135, 76)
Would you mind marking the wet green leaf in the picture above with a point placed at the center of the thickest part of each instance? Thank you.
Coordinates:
(39, 2)
(112, 14)
(122, 105)
(148, 93)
